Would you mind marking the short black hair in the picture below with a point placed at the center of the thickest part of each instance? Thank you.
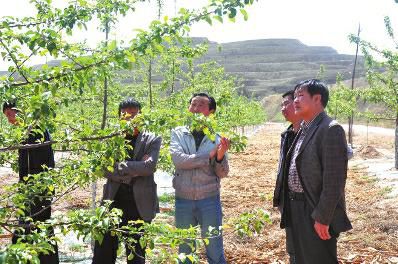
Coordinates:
(315, 86)
(289, 93)
(8, 105)
(129, 102)
(212, 101)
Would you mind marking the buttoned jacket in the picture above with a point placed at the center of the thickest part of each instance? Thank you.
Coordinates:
(322, 168)
(140, 174)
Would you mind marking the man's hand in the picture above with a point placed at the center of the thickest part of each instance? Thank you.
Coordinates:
(108, 174)
(213, 153)
(117, 174)
(222, 148)
(322, 230)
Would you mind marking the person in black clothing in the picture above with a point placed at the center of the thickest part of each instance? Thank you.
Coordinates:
(287, 138)
(34, 161)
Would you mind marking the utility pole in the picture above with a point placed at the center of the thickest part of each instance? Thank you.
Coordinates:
(351, 118)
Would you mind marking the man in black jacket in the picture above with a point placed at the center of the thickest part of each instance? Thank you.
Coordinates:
(287, 138)
(34, 161)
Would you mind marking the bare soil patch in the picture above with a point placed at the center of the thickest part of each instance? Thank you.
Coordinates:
(368, 152)
(250, 185)
(374, 238)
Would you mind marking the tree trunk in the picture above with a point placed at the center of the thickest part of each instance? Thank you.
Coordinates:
(105, 104)
(396, 142)
(173, 76)
(150, 83)
(103, 124)
(350, 124)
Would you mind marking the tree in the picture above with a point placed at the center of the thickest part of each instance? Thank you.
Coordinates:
(382, 73)
(66, 98)
(343, 100)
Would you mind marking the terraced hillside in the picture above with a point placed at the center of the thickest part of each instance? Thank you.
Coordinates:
(269, 66)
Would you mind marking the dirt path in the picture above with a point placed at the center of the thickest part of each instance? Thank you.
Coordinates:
(374, 214)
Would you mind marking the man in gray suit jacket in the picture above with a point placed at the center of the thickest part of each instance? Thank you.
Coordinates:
(316, 171)
(131, 187)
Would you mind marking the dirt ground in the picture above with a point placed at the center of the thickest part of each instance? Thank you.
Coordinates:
(374, 214)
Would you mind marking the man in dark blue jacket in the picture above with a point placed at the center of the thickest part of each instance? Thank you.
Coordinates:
(34, 161)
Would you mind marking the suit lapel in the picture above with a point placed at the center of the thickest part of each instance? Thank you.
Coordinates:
(310, 133)
(138, 145)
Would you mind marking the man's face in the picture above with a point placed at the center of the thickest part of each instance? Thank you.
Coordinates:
(11, 115)
(305, 105)
(200, 104)
(287, 109)
(129, 113)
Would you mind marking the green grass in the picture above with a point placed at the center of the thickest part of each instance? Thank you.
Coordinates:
(370, 179)
(385, 190)
(78, 248)
(167, 198)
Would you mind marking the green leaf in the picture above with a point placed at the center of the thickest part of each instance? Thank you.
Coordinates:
(218, 18)
(112, 45)
(208, 20)
(245, 14)
(232, 13)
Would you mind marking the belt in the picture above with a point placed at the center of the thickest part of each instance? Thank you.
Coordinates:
(298, 196)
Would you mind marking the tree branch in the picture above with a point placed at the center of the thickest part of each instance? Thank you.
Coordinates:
(46, 143)
(13, 60)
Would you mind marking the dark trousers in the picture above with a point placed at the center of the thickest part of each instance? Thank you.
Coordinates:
(290, 245)
(106, 252)
(308, 248)
(36, 211)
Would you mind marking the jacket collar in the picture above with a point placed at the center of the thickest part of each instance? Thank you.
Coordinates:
(138, 144)
(289, 129)
(310, 128)
(186, 131)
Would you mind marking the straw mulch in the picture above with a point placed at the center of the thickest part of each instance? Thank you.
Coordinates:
(374, 238)
(250, 185)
